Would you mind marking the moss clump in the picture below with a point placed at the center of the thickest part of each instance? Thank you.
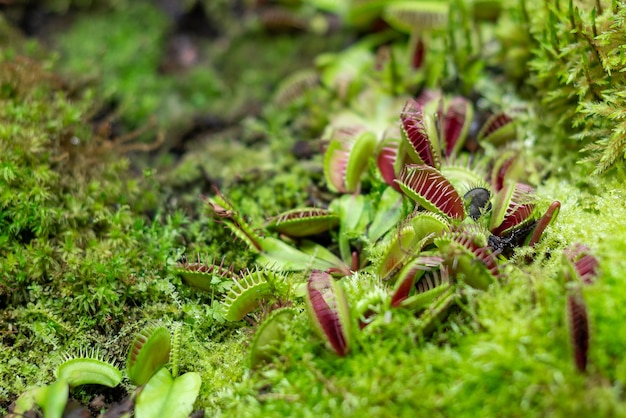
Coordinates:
(77, 256)
(575, 73)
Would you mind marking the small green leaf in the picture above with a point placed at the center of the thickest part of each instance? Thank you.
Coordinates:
(164, 396)
(53, 398)
(278, 255)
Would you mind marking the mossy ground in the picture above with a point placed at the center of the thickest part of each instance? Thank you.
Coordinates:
(90, 236)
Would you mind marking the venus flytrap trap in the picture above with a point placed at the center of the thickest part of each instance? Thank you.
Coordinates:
(329, 311)
(248, 291)
(149, 351)
(269, 335)
(580, 269)
(88, 368)
(272, 252)
(210, 277)
(160, 393)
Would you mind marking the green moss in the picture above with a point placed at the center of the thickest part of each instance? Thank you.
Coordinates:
(123, 50)
(77, 256)
(575, 63)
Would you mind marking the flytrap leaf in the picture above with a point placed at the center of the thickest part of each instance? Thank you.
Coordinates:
(386, 161)
(148, 353)
(221, 209)
(416, 135)
(388, 214)
(280, 256)
(246, 294)
(507, 168)
(412, 16)
(165, 396)
(438, 310)
(295, 86)
(417, 232)
(303, 222)
(329, 312)
(549, 217)
(468, 257)
(498, 130)
(269, 335)
(88, 368)
(580, 265)
(428, 289)
(455, 120)
(274, 253)
(347, 158)
(409, 275)
(428, 187)
(324, 259)
(464, 175)
(201, 275)
(53, 398)
(579, 329)
(513, 206)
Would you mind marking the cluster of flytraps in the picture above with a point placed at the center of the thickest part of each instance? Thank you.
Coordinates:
(160, 392)
(443, 219)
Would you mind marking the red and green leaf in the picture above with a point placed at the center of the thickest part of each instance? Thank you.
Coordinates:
(329, 312)
(579, 329)
(428, 187)
(456, 121)
(416, 134)
(498, 130)
(303, 222)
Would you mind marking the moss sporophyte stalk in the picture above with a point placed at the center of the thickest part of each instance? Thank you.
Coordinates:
(380, 208)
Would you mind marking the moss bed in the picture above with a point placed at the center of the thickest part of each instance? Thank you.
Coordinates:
(120, 121)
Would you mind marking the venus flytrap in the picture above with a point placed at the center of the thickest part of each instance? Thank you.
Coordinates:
(209, 277)
(580, 269)
(269, 335)
(437, 223)
(329, 311)
(272, 252)
(160, 393)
